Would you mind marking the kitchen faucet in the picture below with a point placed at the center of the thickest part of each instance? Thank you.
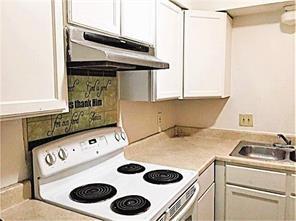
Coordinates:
(288, 143)
(281, 136)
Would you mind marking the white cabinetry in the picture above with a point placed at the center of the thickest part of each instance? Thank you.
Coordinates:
(169, 47)
(138, 20)
(258, 194)
(101, 15)
(206, 195)
(33, 74)
(291, 208)
(132, 19)
(249, 204)
(205, 205)
(207, 43)
(162, 84)
(256, 178)
(291, 197)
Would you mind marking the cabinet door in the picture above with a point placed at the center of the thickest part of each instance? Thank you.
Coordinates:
(101, 15)
(248, 204)
(138, 20)
(33, 75)
(291, 208)
(206, 204)
(291, 199)
(169, 47)
(206, 54)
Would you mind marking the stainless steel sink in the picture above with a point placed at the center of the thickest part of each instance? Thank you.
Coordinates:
(263, 152)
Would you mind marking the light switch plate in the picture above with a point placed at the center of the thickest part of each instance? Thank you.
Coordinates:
(246, 120)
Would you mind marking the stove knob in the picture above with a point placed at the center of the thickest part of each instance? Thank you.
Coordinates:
(50, 159)
(117, 136)
(62, 154)
(123, 136)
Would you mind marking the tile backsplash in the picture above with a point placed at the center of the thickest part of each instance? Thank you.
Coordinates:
(92, 103)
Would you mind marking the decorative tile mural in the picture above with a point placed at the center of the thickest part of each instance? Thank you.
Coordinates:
(92, 103)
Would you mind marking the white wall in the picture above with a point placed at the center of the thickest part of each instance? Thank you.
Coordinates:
(263, 80)
(12, 151)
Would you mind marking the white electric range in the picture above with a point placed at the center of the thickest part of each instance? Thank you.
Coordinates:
(88, 173)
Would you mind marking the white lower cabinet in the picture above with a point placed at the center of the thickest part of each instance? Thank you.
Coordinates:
(254, 193)
(291, 208)
(205, 205)
(256, 178)
(206, 196)
(249, 204)
(291, 198)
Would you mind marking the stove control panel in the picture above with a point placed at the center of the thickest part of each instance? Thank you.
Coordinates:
(62, 153)
(117, 136)
(92, 141)
(123, 136)
(78, 149)
(50, 159)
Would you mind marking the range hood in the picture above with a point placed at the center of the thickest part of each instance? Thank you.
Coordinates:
(89, 50)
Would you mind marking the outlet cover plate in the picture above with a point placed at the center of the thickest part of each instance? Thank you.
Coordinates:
(246, 120)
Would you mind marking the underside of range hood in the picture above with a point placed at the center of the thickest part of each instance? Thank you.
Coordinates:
(92, 51)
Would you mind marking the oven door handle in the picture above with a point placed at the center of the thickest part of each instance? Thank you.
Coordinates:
(188, 205)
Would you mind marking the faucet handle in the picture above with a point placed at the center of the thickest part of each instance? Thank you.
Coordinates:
(281, 136)
(285, 146)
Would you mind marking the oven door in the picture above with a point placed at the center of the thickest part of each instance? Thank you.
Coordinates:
(189, 211)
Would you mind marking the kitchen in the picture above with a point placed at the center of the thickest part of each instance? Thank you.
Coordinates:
(224, 90)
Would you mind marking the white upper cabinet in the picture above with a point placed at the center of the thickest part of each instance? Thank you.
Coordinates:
(207, 45)
(33, 73)
(168, 38)
(169, 48)
(101, 15)
(138, 20)
(161, 84)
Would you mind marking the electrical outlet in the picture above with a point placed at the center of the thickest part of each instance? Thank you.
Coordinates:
(246, 120)
(159, 121)
(159, 118)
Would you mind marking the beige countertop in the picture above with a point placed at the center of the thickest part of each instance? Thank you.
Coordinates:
(200, 149)
(35, 210)
(195, 152)
(16, 205)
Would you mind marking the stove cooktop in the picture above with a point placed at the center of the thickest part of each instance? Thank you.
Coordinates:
(163, 177)
(131, 168)
(88, 173)
(92, 193)
(130, 205)
(151, 201)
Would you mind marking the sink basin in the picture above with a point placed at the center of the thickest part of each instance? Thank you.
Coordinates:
(262, 152)
(293, 156)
